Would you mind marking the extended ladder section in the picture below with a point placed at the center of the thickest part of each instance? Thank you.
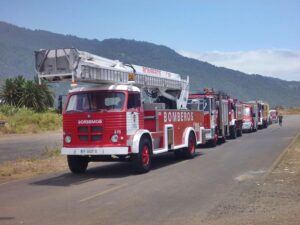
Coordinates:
(71, 64)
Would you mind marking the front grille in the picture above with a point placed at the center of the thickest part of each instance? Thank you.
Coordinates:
(83, 129)
(96, 137)
(83, 137)
(90, 133)
(97, 129)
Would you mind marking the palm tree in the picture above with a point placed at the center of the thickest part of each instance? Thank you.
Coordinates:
(20, 92)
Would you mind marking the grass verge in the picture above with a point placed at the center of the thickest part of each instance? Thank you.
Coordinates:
(23, 120)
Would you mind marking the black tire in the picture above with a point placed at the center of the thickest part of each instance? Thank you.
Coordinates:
(213, 143)
(190, 151)
(142, 160)
(233, 132)
(222, 140)
(77, 164)
(239, 133)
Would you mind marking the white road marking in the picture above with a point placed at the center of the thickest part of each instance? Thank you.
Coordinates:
(103, 192)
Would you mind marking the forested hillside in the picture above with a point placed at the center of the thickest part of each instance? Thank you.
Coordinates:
(18, 44)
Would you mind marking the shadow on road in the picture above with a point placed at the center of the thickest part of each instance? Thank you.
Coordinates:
(6, 218)
(109, 170)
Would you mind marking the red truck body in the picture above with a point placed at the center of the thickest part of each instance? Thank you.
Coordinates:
(118, 125)
(216, 117)
(235, 117)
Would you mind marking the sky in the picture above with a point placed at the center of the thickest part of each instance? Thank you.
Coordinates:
(257, 36)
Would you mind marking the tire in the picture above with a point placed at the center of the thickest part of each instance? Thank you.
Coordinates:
(190, 151)
(254, 129)
(142, 160)
(233, 132)
(222, 140)
(77, 164)
(213, 143)
(239, 133)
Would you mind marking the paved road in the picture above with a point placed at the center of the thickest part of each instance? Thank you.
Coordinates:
(27, 145)
(174, 192)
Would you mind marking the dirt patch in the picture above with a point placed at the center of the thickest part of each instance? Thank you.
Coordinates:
(270, 200)
(49, 161)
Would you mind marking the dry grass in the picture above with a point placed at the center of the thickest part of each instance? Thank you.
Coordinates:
(290, 111)
(49, 161)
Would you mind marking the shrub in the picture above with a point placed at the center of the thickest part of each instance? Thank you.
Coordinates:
(26, 93)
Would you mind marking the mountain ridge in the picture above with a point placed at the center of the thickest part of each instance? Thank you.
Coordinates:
(17, 45)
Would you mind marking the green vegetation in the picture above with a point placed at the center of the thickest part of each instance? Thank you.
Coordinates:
(24, 120)
(20, 92)
(25, 107)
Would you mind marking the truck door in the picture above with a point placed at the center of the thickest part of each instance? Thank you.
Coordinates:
(134, 113)
(213, 113)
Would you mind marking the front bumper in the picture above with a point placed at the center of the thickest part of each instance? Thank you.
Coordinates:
(247, 126)
(95, 151)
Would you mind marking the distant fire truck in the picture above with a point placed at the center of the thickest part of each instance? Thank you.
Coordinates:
(216, 114)
(128, 112)
(250, 117)
(262, 113)
(235, 113)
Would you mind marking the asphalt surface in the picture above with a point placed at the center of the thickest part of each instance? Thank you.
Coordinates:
(174, 192)
(17, 146)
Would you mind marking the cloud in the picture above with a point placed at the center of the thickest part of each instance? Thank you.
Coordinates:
(279, 63)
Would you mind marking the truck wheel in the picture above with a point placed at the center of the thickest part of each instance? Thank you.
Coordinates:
(77, 164)
(239, 133)
(233, 132)
(222, 139)
(213, 143)
(190, 151)
(142, 160)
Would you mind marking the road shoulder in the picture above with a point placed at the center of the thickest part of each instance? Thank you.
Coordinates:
(272, 199)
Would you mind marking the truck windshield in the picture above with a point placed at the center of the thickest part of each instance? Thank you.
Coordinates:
(96, 101)
(247, 111)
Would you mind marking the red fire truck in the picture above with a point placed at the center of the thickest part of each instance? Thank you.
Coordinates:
(250, 119)
(235, 114)
(262, 113)
(216, 120)
(128, 112)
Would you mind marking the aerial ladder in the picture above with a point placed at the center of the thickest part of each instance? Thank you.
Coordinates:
(79, 66)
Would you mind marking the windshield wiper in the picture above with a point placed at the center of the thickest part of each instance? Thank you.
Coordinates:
(74, 110)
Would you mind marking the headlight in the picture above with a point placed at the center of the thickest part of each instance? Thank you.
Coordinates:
(68, 139)
(114, 138)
